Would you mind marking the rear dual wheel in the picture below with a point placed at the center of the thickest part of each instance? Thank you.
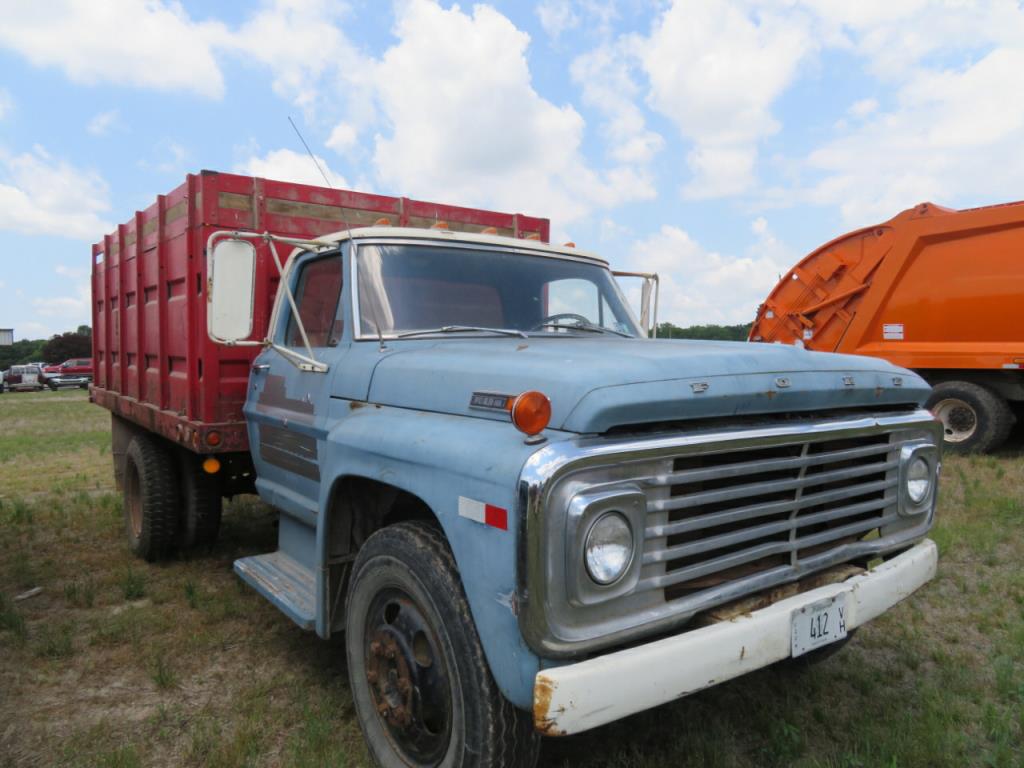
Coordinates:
(421, 686)
(169, 502)
(974, 419)
(150, 496)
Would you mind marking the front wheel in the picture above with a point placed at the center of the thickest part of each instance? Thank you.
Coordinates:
(420, 683)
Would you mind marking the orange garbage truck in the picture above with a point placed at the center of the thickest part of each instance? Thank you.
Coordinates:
(936, 290)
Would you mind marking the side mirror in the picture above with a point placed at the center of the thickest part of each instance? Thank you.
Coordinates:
(649, 290)
(230, 295)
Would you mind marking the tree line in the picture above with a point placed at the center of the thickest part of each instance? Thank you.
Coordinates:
(56, 349)
(708, 332)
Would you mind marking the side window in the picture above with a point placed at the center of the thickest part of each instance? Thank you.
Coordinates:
(317, 296)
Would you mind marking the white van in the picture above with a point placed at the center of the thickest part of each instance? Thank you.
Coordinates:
(24, 377)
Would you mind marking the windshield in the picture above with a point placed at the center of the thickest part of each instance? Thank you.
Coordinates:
(409, 288)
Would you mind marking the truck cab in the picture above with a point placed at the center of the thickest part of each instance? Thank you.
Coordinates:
(527, 517)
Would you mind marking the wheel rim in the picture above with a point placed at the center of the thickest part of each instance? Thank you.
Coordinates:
(133, 499)
(959, 420)
(408, 678)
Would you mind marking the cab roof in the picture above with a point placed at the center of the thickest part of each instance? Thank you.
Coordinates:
(441, 235)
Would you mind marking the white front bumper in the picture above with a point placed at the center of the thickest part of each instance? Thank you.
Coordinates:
(581, 696)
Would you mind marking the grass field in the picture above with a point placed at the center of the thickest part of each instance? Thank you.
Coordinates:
(119, 663)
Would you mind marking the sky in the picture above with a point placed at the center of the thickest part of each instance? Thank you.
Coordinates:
(713, 142)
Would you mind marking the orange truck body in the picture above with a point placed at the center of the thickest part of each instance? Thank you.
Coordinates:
(936, 290)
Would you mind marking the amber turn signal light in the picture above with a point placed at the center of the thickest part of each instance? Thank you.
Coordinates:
(531, 412)
(211, 466)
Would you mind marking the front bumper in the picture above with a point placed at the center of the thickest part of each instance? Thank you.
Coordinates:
(581, 696)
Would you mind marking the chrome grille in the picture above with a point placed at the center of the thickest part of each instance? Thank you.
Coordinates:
(725, 513)
(733, 515)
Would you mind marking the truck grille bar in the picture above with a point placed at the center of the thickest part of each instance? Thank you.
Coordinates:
(733, 515)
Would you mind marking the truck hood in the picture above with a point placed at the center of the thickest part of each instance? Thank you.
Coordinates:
(598, 383)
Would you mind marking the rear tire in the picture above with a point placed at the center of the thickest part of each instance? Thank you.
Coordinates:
(201, 505)
(974, 419)
(150, 499)
(422, 689)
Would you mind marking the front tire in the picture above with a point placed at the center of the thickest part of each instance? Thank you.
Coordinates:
(974, 419)
(150, 499)
(420, 683)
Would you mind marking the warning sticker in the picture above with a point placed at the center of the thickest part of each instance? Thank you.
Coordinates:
(892, 331)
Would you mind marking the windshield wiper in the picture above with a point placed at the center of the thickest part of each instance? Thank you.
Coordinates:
(592, 327)
(462, 328)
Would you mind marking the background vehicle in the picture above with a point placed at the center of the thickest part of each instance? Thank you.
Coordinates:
(23, 377)
(76, 372)
(514, 504)
(933, 289)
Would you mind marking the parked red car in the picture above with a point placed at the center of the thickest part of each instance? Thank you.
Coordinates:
(76, 372)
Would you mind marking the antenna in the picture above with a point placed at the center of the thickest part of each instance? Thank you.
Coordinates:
(311, 155)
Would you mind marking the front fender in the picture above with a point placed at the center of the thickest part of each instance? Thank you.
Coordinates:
(440, 458)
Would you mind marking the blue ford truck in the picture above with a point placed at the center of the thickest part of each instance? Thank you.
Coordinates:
(528, 518)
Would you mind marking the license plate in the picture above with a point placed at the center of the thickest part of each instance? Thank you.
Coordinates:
(819, 624)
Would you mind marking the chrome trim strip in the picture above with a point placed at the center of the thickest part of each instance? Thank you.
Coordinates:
(539, 584)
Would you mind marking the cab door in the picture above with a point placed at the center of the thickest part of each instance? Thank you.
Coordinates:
(288, 408)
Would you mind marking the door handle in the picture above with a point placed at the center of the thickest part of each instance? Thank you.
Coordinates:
(261, 368)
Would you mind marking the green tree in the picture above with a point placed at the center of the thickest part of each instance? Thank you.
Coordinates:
(709, 332)
(66, 345)
(23, 351)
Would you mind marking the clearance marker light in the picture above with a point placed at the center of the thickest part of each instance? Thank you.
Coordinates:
(531, 412)
(211, 466)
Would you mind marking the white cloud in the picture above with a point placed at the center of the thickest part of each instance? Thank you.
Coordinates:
(607, 84)
(286, 165)
(41, 195)
(954, 135)
(302, 42)
(343, 138)
(715, 70)
(467, 126)
(69, 306)
(145, 43)
(863, 107)
(101, 123)
(557, 16)
(699, 286)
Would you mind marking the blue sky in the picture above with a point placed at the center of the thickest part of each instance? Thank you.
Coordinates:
(714, 142)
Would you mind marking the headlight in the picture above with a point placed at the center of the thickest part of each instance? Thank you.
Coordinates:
(609, 548)
(919, 480)
(919, 469)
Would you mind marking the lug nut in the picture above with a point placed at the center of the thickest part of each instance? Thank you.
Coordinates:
(376, 648)
(371, 676)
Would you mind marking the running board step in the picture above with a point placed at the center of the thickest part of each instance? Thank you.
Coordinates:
(285, 582)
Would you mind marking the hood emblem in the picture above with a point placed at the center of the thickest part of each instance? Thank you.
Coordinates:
(491, 401)
(782, 382)
(848, 381)
(897, 381)
(699, 386)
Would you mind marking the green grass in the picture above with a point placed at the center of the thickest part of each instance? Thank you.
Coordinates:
(118, 663)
